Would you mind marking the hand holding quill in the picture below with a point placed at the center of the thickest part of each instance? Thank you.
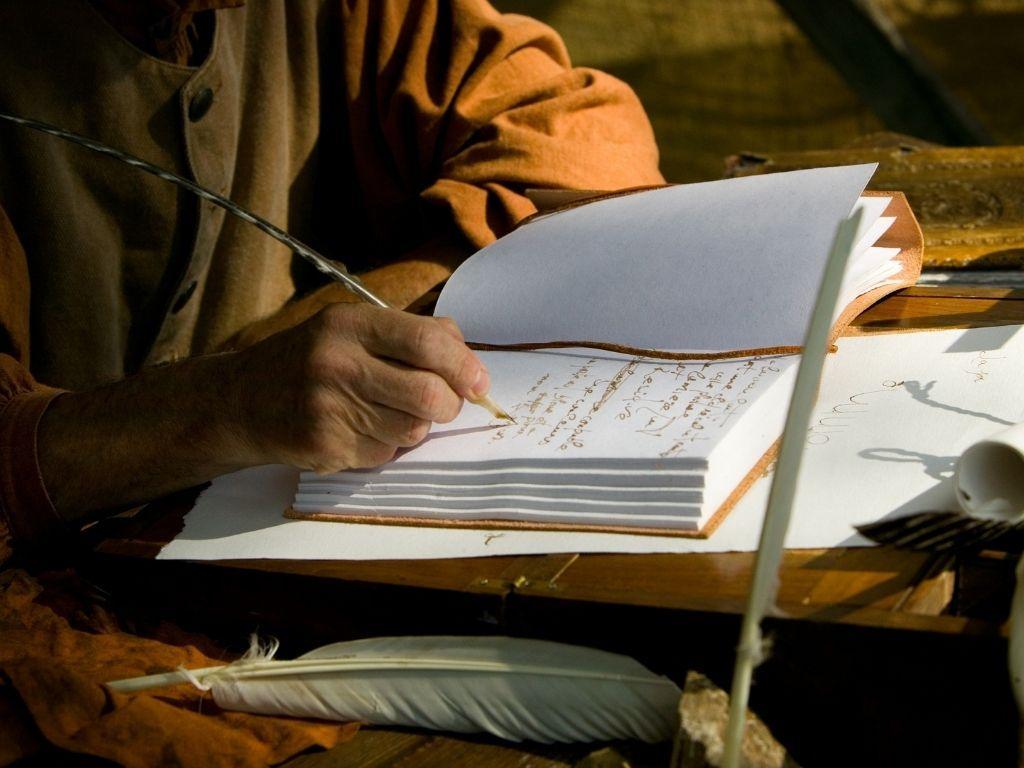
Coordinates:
(348, 387)
(333, 269)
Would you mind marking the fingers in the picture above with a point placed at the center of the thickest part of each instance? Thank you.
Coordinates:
(351, 385)
(369, 439)
(450, 327)
(393, 427)
(432, 345)
(356, 451)
(421, 394)
(376, 380)
(346, 432)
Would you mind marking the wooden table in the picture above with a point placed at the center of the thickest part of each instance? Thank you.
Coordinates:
(880, 657)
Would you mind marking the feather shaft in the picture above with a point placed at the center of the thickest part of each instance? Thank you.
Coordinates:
(764, 584)
(329, 267)
(149, 682)
(267, 669)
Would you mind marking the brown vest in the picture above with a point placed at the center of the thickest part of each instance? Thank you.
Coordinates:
(125, 269)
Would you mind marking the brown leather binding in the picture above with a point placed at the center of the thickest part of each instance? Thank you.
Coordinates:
(905, 234)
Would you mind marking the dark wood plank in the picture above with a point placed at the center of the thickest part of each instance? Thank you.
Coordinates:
(916, 313)
(957, 291)
(875, 586)
(382, 748)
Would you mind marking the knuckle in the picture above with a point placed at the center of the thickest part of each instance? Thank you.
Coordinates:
(334, 458)
(383, 453)
(373, 455)
(344, 319)
(432, 395)
(451, 408)
(416, 430)
(426, 341)
(335, 314)
(330, 318)
(451, 327)
(376, 325)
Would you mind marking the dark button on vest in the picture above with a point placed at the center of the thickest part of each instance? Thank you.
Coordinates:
(200, 105)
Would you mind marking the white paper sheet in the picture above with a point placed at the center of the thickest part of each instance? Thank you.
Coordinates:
(894, 413)
(577, 410)
(594, 272)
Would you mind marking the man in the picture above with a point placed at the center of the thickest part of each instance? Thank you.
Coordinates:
(394, 136)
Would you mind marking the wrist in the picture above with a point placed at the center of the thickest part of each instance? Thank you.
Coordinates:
(227, 424)
(159, 431)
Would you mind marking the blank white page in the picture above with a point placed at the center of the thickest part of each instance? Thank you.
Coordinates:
(732, 264)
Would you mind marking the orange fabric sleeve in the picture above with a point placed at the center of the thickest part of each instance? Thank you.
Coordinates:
(455, 109)
(26, 513)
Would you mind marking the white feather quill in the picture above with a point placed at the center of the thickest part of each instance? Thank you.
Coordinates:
(512, 688)
(764, 584)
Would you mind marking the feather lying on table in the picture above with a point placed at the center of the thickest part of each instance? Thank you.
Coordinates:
(512, 688)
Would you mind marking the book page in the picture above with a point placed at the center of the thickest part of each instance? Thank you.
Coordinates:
(577, 409)
(895, 412)
(724, 265)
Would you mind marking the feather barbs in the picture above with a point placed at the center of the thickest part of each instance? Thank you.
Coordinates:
(515, 689)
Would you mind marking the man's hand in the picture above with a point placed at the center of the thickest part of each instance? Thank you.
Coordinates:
(346, 388)
(351, 385)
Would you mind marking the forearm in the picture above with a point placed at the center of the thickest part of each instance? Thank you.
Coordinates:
(343, 390)
(165, 429)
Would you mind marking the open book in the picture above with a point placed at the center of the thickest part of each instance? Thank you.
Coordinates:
(646, 345)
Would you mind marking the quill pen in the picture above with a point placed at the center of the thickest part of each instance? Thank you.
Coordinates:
(333, 269)
(513, 688)
(764, 584)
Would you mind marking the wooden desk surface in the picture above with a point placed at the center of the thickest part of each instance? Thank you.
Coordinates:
(876, 624)
(879, 587)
